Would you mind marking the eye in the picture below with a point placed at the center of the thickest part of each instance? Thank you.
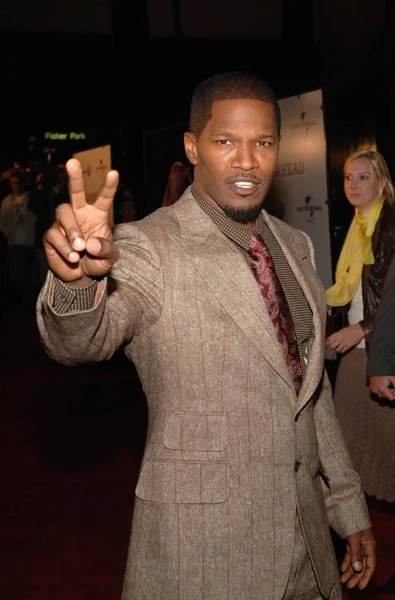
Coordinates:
(265, 143)
(347, 177)
(223, 142)
(364, 177)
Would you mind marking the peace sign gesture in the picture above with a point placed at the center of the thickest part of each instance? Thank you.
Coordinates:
(79, 244)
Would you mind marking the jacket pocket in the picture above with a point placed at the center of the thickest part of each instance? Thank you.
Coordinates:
(183, 482)
(193, 469)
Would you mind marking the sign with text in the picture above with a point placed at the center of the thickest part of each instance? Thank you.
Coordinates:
(299, 193)
(55, 136)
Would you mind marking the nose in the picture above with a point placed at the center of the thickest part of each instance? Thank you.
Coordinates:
(245, 158)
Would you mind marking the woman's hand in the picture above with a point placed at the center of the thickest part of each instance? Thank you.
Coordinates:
(345, 338)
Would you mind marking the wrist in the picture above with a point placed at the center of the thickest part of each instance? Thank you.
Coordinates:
(83, 282)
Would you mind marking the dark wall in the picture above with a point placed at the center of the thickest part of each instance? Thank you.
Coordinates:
(125, 85)
(85, 83)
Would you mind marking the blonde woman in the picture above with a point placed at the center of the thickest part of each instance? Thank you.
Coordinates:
(368, 422)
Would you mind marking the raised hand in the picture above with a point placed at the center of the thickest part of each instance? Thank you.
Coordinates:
(79, 244)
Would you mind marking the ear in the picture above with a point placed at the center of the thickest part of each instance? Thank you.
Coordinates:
(190, 146)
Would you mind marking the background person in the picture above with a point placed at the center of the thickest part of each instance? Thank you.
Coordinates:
(179, 179)
(18, 226)
(368, 425)
(381, 360)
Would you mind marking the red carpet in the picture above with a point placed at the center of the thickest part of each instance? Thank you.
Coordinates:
(71, 445)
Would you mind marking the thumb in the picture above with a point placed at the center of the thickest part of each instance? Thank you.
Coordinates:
(354, 542)
(102, 248)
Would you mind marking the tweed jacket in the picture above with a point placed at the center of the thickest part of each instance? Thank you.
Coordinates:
(231, 452)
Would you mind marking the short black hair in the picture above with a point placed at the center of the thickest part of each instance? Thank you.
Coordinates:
(228, 86)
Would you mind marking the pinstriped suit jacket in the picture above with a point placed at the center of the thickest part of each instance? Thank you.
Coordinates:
(231, 451)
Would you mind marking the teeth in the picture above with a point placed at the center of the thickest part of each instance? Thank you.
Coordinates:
(244, 184)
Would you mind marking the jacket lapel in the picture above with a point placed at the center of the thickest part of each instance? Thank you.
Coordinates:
(299, 261)
(225, 272)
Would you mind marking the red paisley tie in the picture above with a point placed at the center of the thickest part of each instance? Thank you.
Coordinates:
(276, 303)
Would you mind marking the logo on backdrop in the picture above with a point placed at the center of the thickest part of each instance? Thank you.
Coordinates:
(290, 168)
(309, 208)
(304, 122)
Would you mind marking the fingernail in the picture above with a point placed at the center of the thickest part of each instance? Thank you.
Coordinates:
(94, 246)
(74, 257)
(78, 243)
(357, 565)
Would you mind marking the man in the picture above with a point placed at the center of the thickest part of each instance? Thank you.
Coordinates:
(244, 469)
(381, 358)
(18, 225)
(177, 182)
(128, 209)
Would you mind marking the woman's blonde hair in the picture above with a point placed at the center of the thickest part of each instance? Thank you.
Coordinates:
(380, 169)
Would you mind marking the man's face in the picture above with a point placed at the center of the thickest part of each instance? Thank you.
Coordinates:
(235, 156)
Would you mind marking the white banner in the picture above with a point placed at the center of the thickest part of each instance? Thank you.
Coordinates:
(299, 193)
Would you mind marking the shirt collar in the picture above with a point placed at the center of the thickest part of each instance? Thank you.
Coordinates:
(237, 232)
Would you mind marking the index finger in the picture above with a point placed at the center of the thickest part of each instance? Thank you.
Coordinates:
(76, 183)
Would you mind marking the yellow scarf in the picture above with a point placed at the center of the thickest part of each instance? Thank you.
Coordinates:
(356, 252)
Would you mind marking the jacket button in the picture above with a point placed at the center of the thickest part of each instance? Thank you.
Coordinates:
(297, 466)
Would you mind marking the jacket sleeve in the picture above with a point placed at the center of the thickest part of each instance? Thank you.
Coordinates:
(381, 357)
(345, 503)
(384, 252)
(367, 326)
(344, 497)
(128, 302)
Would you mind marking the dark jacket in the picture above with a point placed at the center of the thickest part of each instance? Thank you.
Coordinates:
(381, 358)
(373, 276)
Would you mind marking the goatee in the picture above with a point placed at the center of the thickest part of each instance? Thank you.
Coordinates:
(243, 215)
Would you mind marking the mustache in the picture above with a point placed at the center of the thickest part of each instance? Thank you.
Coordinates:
(244, 177)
